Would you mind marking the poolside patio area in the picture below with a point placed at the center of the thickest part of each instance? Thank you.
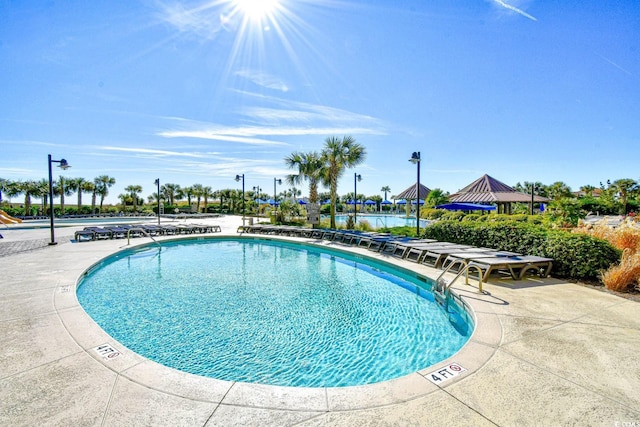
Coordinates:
(545, 352)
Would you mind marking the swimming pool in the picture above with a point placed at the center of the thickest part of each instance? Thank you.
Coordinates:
(260, 311)
(378, 221)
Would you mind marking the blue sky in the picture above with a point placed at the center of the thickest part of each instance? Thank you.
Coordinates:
(199, 91)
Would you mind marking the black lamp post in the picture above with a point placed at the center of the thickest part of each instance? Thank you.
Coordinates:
(238, 178)
(356, 178)
(415, 159)
(275, 201)
(257, 191)
(64, 166)
(157, 182)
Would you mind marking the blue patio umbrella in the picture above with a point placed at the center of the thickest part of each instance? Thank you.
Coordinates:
(272, 202)
(302, 202)
(386, 202)
(369, 202)
(401, 202)
(466, 207)
(351, 202)
(413, 202)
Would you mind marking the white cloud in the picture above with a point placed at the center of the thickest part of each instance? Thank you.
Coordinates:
(263, 79)
(514, 9)
(204, 21)
(155, 153)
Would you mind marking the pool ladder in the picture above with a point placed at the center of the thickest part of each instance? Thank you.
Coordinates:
(144, 233)
(442, 288)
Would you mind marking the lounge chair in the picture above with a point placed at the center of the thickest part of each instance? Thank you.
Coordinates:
(100, 233)
(434, 256)
(84, 236)
(517, 267)
(458, 260)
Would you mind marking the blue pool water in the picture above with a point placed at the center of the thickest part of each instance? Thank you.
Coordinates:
(378, 221)
(267, 312)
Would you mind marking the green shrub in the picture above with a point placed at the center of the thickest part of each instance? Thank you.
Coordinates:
(453, 216)
(575, 256)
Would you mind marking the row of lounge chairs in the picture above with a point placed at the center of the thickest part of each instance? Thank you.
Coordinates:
(443, 255)
(126, 230)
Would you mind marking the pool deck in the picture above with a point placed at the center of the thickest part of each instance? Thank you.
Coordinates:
(545, 352)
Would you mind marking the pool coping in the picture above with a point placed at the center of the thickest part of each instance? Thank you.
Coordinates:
(90, 336)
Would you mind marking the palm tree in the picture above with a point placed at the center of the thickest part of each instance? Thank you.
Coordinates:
(386, 189)
(206, 193)
(310, 167)
(436, 197)
(339, 154)
(29, 188)
(78, 185)
(558, 190)
(63, 188)
(588, 190)
(3, 187)
(86, 187)
(103, 183)
(624, 187)
(43, 193)
(93, 189)
(133, 191)
(196, 191)
(171, 192)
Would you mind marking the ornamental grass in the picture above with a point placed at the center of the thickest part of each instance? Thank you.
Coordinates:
(625, 275)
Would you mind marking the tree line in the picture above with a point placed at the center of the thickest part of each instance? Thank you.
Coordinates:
(317, 168)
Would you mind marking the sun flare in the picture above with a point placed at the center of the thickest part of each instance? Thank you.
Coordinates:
(257, 10)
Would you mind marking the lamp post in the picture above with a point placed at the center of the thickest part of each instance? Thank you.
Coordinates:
(356, 178)
(415, 159)
(238, 178)
(157, 182)
(275, 201)
(64, 166)
(257, 190)
(533, 189)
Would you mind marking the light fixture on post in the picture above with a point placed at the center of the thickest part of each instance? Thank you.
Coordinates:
(415, 159)
(356, 178)
(64, 166)
(238, 178)
(157, 182)
(275, 201)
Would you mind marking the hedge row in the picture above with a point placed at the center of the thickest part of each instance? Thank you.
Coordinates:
(576, 256)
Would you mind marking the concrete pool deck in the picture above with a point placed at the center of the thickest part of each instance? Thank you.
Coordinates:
(545, 352)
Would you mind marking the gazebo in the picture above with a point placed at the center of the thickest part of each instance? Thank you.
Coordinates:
(410, 193)
(488, 190)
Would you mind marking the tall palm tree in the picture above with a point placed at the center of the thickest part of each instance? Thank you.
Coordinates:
(78, 185)
(63, 188)
(29, 188)
(310, 167)
(206, 193)
(133, 191)
(86, 187)
(43, 193)
(103, 183)
(196, 191)
(170, 192)
(386, 189)
(339, 154)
